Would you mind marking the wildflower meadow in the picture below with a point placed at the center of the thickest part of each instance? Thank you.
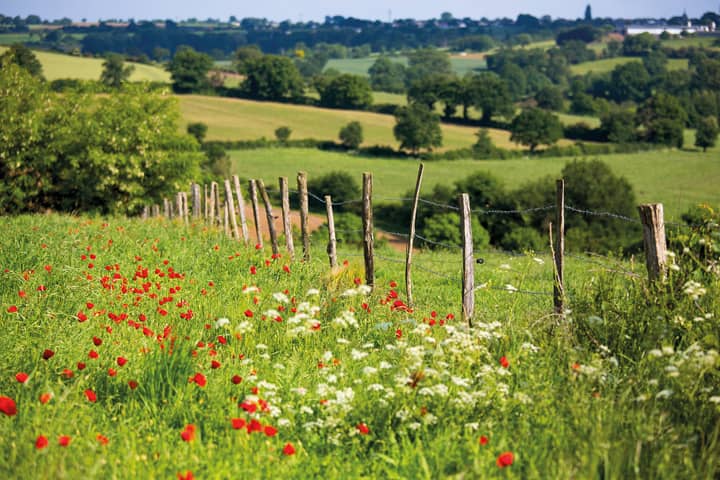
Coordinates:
(151, 349)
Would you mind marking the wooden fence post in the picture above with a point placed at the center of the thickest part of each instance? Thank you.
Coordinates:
(654, 241)
(226, 219)
(304, 230)
(146, 212)
(368, 237)
(332, 241)
(269, 215)
(156, 210)
(287, 226)
(196, 203)
(231, 210)
(186, 210)
(256, 211)
(179, 204)
(213, 203)
(559, 248)
(207, 201)
(411, 237)
(468, 282)
(241, 209)
(166, 208)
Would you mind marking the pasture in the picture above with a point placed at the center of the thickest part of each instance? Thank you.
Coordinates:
(678, 179)
(461, 64)
(57, 65)
(608, 64)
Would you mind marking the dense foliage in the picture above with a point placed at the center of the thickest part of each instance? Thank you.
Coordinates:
(72, 153)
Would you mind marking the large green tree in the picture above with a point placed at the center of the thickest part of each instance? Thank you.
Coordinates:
(387, 76)
(490, 94)
(629, 81)
(664, 120)
(535, 127)
(707, 133)
(115, 73)
(346, 91)
(417, 127)
(189, 70)
(272, 77)
(427, 61)
(22, 56)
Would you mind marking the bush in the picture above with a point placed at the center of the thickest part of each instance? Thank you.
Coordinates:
(341, 186)
(351, 135)
(445, 228)
(523, 239)
(348, 228)
(283, 134)
(197, 130)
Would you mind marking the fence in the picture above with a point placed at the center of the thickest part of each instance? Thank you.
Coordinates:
(208, 207)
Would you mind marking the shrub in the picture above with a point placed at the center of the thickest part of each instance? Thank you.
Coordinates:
(197, 130)
(445, 228)
(341, 186)
(283, 134)
(351, 135)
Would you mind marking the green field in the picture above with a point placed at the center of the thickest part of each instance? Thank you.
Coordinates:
(56, 65)
(359, 66)
(607, 64)
(235, 119)
(677, 179)
(10, 38)
(694, 41)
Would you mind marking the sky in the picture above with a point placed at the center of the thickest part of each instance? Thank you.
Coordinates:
(93, 10)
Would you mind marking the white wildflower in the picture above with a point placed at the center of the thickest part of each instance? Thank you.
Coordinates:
(281, 297)
(667, 393)
(369, 370)
(222, 322)
(357, 354)
(312, 291)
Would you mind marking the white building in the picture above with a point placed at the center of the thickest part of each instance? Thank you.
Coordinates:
(657, 29)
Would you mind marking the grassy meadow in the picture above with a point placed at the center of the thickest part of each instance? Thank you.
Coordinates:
(57, 65)
(607, 64)
(678, 179)
(461, 64)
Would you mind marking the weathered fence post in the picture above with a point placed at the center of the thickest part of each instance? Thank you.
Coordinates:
(145, 212)
(332, 241)
(411, 237)
(304, 230)
(559, 248)
(156, 210)
(231, 209)
(368, 237)
(166, 208)
(241, 209)
(207, 201)
(179, 204)
(468, 282)
(226, 219)
(196, 206)
(256, 212)
(186, 210)
(287, 226)
(269, 215)
(213, 203)
(654, 241)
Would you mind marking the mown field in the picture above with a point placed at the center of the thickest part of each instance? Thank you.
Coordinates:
(360, 66)
(678, 179)
(56, 65)
(607, 64)
(148, 349)
(235, 119)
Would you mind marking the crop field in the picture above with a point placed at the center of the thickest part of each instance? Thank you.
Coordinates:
(360, 66)
(607, 64)
(10, 38)
(677, 179)
(151, 349)
(57, 65)
(235, 119)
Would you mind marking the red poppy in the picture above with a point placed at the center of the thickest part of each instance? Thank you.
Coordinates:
(12, 309)
(254, 426)
(188, 434)
(89, 305)
(90, 395)
(81, 317)
(48, 268)
(199, 379)
(48, 354)
(270, 431)
(102, 439)
(21, 377)
(248, 407)
(505, 459)
(236, 379)
(81, 366)
(45, 397)
(7, 406)
(41, 288)
(188, 476)
(363, 428)
(64, 440)
(483, 440)
(248, 313)
(68, 373)
(238, 423)
(286, 269)
(93, 354)
(504, 362)
(41, 442)
(112, 372)
(121, 361)
(215, 364)
(288, 449)
(253, 270)
(97, 341)
(22, 294)
(398, 334)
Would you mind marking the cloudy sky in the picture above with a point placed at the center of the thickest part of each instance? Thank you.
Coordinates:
(366, 9)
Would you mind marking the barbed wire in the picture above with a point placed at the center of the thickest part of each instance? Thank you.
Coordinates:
(602, 214)
(513, 212)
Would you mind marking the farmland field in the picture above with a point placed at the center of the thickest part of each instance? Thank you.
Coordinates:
(359, 66)
(676, 178)
(234, 119)
(56, 65)
(607, 64)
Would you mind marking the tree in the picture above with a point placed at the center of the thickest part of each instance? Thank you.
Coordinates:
(283, 134)
(588, 13)
(245, 54)
(346, 91)
(618, 126)
(272, 77)
(197, 130)
(707, 133)
(22, 56)
(387, 76)
(664, 120)
(639, 45)
(426, 61)
(490, 94)
(115, 73)
(550, 98)
(342, 186)
(188, 70)
(535, 127)
(351, 135)
(417, 127)
(629, 81)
